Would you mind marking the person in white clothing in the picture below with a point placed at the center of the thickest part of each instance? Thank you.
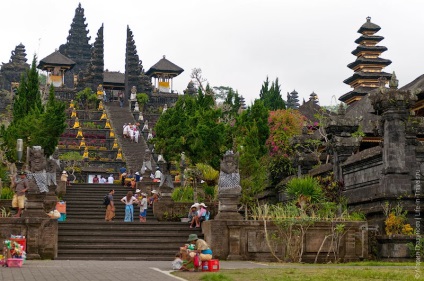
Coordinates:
(136, 135)
(110, 179)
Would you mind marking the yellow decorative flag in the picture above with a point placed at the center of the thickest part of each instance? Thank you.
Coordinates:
(79, 134)
(74, 113)
(107, 125)
(119, 155)
(82, 143)
(76, 123)
(115, 144)
(85, 154)
(111, 133)
(101, 107)
(104, 115)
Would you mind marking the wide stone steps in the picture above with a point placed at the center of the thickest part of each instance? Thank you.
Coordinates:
(133, 152)
(86, 236)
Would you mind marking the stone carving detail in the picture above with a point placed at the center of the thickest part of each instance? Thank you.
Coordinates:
(52, 165)
(229, 177)
(38, 165)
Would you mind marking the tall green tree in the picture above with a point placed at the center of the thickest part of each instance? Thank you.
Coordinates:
(28, 96)
(191, 126)
(271, 96)
(54, 124)
(36, 125)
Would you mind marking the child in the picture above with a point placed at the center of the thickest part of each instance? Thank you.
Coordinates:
(177, 264)
(143, 207)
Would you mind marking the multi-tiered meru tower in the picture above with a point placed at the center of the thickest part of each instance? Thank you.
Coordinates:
(368, 65)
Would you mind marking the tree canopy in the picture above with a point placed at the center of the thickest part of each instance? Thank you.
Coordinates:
(271, 95)
(35, 124)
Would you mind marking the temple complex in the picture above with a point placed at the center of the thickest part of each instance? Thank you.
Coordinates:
(292, 100)
(368, 65)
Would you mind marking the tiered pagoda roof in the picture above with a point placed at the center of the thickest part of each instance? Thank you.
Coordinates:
(368, 65)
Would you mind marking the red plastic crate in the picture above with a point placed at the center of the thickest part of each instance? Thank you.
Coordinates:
(213, 265)
(14, 262)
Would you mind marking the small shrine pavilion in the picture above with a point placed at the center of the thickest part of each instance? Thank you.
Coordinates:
(163, 72)
(56, 65)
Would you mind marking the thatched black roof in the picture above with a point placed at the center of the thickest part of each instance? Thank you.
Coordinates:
(113, 77)
(164, 66)
(375, 38)
(361, 48)
(366, 76)
(368, 61)
(369, 26)
(56, 59)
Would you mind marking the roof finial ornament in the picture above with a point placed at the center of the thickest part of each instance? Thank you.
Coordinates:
(163, 56)
(393, 83)
(368, 19)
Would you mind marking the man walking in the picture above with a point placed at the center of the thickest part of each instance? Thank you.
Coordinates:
(21, 186)
(110, 208)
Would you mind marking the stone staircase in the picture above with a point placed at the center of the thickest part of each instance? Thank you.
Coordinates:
(133, 152)
(86, 236)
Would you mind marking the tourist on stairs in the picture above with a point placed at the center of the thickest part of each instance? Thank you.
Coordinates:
(129, 200)
(110, 208)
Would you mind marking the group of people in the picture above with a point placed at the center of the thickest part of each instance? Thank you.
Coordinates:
(102, 179)
(131, 132)
(139, 199)
(198, 214)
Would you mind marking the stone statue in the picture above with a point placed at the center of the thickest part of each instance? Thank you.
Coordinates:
(51, 171)
(165, 177)
(136, 107)
(37, 174)
(140, 117)
(147, 161)
(133, 95)
(150, 135)
(146, 126)
(229, 177)
(165, 108)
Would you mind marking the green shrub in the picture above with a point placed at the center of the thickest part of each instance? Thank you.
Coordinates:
(183, 194)
(6, 193)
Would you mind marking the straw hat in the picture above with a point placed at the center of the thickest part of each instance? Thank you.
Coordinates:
(137, 191)
(143, 194)
(155, 192)
(193, 206)
(203, 205)
(137, 173)
(64, 172)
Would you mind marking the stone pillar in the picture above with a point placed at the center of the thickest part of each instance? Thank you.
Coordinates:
(229, 188)
(234, 242)
(341, 143)
(398, 155)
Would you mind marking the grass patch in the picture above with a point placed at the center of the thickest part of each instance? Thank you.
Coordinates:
(306, 273)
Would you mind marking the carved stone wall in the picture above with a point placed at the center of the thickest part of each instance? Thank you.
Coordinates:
(245, 240)
(41, 235)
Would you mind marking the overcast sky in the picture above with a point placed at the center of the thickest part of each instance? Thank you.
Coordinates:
(238, 43)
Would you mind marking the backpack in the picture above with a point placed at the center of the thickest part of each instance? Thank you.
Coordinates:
(207, 215)
(106, 200)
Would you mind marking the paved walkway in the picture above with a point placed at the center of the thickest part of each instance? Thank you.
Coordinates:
(70, 270)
